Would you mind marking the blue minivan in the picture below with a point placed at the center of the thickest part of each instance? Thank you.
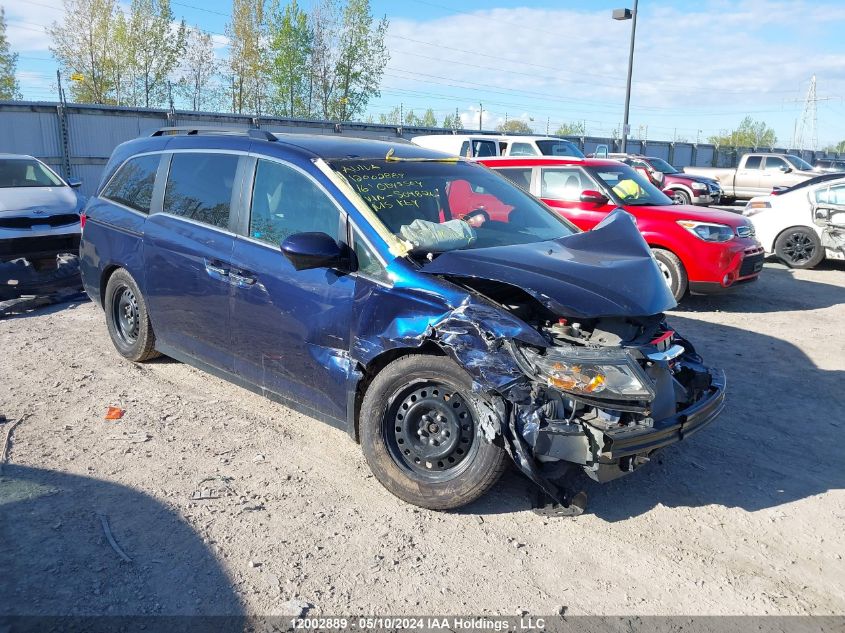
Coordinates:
(443, 317)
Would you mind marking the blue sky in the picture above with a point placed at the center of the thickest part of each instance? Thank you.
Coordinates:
(699, 66)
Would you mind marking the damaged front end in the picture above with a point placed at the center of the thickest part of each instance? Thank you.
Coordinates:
(602, 387)
(609, 393)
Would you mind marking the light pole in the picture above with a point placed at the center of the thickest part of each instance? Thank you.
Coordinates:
(628, 14)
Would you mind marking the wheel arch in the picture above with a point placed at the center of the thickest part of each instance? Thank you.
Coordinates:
(372, 369)
(108, 271)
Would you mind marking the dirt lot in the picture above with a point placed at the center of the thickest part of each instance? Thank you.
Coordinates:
(744, 518)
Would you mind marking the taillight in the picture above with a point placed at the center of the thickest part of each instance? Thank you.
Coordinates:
(82, 218)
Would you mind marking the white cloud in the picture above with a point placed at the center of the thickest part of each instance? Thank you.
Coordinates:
(703, 66)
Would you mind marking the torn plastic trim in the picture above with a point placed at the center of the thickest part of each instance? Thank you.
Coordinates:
(397, 247)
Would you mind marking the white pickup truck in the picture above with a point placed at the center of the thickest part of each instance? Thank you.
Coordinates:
(757, 174)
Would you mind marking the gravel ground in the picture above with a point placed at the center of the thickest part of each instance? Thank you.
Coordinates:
(228, 503)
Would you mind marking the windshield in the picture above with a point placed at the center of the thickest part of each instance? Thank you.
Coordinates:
(557, 147)
(798, 163)
(26, 172)
(443, 206)
(629, 187)
(662, 166)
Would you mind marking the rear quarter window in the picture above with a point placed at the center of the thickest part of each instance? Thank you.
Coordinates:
(132, 185)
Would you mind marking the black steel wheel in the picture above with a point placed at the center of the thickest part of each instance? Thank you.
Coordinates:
(127, 318)
(430, 430)
(799, 247)
(125, 315)
(420, 434)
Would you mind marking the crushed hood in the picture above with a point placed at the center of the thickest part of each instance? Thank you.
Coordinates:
(608, 271)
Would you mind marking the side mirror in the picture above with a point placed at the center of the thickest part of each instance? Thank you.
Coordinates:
(74, 182)
(593, 197)
(314, 250)
(786, 169)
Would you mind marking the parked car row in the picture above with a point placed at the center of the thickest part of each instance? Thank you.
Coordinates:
(448, 313)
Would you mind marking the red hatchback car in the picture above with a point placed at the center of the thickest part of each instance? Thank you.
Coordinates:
(700, 250)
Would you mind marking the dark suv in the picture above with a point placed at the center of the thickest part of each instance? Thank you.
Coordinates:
(684, 188)
(345, 278)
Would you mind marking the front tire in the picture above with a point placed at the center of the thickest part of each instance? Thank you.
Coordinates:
(420, 434)
(682, 197)
(127, 318)
(673, 272)
(799, 247)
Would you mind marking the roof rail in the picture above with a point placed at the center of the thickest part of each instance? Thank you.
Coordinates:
(255, 133)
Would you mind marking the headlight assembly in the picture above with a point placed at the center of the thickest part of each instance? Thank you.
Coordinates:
(708, 231)
(699, 186)
(606, 373)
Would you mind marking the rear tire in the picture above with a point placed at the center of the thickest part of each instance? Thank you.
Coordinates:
(127, 318)
(799, 247)
(673, 272)
(420, 434)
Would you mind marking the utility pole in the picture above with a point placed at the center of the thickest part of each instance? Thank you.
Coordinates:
(480, 111)
(625, 14)
(548, 124)
(457, 124)
(401, 113)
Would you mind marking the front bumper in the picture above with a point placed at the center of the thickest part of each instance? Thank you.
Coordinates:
(631, 441)
(619, 451)
(722, 266)
(40, 247)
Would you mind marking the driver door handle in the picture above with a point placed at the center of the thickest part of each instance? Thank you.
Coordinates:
(244, 279)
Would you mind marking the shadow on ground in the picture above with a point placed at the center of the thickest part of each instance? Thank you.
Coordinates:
(56, 559)
(778, 440)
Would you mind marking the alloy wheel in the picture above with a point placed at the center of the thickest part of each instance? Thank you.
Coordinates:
(799, 248)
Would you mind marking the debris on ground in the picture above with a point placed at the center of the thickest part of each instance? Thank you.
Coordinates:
(104, 521)
(114, 413)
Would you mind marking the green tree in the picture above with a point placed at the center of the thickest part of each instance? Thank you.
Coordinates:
(749, 133)
(199, 68)
(452, 122)
(290, 51)
(411, 118)
(391, 118)
(575, 128)
(361, 58)
(9, 87)
(119, 62)
(247, 55)
(514, 126)
(156, 48)
(428, 119)
(82, 43)
(838, 148)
